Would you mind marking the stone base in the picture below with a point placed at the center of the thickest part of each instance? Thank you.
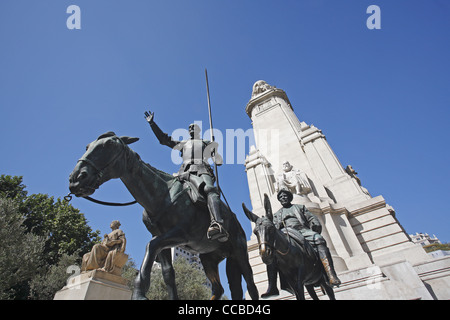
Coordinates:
(401, 280)
(95, 285)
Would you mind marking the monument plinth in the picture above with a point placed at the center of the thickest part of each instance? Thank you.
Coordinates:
(95, 285)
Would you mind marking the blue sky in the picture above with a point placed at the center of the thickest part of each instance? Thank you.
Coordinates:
(381, 97)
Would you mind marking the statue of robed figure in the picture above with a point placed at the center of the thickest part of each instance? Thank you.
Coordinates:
(109, 255)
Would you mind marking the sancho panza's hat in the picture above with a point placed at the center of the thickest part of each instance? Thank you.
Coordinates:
(290, 195)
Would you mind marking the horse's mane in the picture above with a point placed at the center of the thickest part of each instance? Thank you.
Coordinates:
(137, 158)
(161, 174)
(166, 177)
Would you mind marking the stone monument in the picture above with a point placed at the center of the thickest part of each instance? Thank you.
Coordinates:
(100, 277)
(373, 255)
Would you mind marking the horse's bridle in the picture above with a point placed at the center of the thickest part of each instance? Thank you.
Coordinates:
(99, 176)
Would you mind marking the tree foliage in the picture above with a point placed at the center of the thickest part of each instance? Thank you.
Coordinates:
(190, 281)
(437, 246)
(21, 252)
(65, 228)
(46, 283)
(40, 238)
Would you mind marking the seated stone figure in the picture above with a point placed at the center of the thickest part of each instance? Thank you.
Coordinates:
(293, 180)
(109, 255)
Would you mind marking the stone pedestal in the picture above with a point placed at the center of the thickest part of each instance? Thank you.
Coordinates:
(95, 285)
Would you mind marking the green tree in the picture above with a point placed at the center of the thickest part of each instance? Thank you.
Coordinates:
(191, 283)
(11, 187)
(60, 230)
(21, 252)
(65, 228)
(129, 272)
(48, 281)
(437, 246)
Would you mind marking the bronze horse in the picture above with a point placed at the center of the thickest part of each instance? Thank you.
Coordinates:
(169, 214)
(297, 269)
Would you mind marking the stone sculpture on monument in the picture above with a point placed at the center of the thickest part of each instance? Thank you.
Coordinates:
(101, 268)
(352, 173)
(260, 86)
(293, 180)
(108, 256)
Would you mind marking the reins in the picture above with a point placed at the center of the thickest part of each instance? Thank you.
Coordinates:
(114, 204)
(99, 177)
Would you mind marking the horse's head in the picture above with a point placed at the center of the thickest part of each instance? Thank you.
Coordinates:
(264, 231)
(102, 161)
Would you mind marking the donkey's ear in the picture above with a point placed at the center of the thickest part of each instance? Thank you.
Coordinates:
(250, 215)
(128, 140)
(268, 207)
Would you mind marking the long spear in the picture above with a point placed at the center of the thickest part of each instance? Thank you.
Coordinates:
(212, 135)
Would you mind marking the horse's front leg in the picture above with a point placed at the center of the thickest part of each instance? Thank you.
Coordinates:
(153, 248)
(168, 273)
(142, 281)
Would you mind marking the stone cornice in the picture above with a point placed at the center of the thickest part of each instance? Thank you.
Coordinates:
(274, 92)
(371, 204)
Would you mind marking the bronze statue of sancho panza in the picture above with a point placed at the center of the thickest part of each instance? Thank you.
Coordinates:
(299, 224)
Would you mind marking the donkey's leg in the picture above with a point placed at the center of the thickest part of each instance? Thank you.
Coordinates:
(169, 239)
(300, 290)
(210, 262)
(168, 273)
(328, 289)
(312, 292)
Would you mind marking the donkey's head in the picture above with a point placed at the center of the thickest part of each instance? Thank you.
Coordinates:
(103, 160)
(264, 230)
